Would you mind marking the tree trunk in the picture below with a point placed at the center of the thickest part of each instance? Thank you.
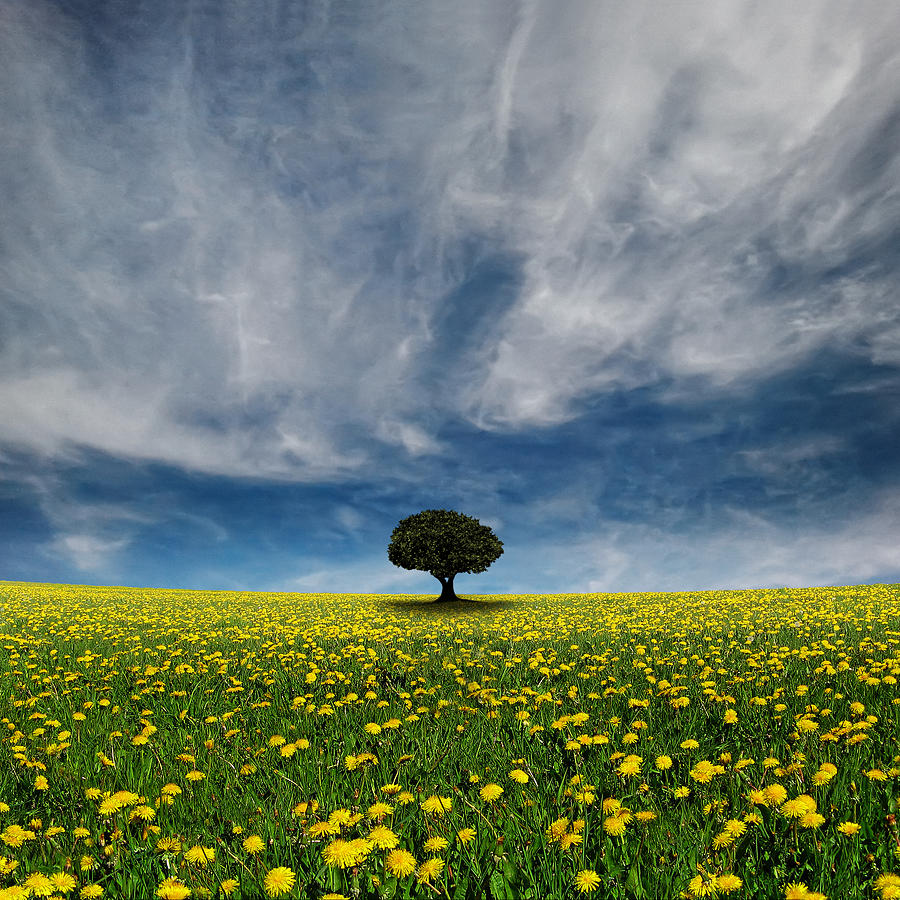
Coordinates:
(447, 592)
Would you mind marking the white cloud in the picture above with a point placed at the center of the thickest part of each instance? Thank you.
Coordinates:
(246, 274)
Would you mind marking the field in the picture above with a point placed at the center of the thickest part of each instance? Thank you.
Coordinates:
(739, 744)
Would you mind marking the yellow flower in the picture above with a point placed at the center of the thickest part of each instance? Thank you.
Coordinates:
(586, 881)
(490, 792)
(703, 885)
(729, 882)
(464, 835)
(373, 728)
(435, 805)
(400, 863)
(279, 881)
(91, 891)
(703, 771)
(436, 844)
(383, 838)
(63, 882)
(429, 869)
(663, 762)
(254, 844)
(774, 794)
(849, 828)
(200, 855)
(195, 775)
(614, 825)
(41, 783)
(519, 776)
(340, 854)
(229, 886)
(796, 891)
(173, 889)
(39, 884)
(379, 810)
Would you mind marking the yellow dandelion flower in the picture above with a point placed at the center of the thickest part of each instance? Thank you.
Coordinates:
(400, 863)
(490, 792)
(429, 870)
(173, 889)
(465, 835)
(796, 891)
(586, 881)
(729, 882)
(229, 886)
(437, 806)
(39, 884)
(703, 885)
(614, 825)
(200, 856)
(849, 828)
(63, 882)
(383, 838)
(279, 881)
(519, 776)
(663, 762)
(254, 844)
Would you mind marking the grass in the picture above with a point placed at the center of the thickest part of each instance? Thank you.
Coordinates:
(173, 743)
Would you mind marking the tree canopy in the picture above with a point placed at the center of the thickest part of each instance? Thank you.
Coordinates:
(443, 543)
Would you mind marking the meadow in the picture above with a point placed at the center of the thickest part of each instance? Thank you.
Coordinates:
(172, 744)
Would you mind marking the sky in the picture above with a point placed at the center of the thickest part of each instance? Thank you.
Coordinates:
(618, 280)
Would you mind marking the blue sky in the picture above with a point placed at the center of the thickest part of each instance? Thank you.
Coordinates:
(620, 281)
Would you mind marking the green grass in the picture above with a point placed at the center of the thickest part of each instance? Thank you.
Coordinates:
(107, 690)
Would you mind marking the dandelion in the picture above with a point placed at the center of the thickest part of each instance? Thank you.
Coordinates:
(631, 765)
(723, 839)
(703, 771)
(63, 882)
(383, 838)
(429, 870)
(703, 885)
(200, 855)
(465, 835)
(254, 844)
(796, 891)
(195, 775)
(614, 825)
(519, 776)
(400, 863)
(436, 806)
(436, 844)
(39, 884)
(490, 792)
(91, 892)
(173, 889)
(849, 828)
(663, 762)
(168, 845)
(379, 810)
(279, 881)
(229, 886)
(587, 881)
(729, 882)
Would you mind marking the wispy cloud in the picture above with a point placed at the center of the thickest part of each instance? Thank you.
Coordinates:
(452, 254)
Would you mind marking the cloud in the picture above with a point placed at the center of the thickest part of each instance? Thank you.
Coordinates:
(741, 549)
(237, 254)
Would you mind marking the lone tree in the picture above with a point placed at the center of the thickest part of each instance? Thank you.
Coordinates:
(443, 543)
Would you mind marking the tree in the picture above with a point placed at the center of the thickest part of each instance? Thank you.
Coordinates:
(443, 543)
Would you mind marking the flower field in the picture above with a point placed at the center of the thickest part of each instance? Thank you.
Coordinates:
(739, 744)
